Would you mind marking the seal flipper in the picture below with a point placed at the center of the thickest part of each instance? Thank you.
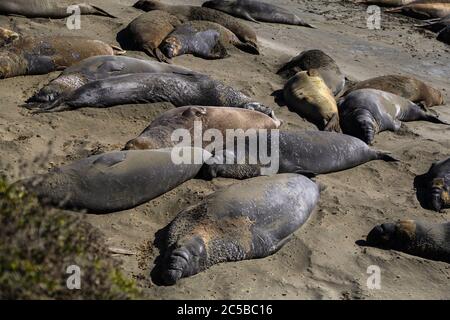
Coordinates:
(434, 119)
(385, 156)
(92, 9)
(333, 124)
(244, 14)
(53, 106)
(248, 47)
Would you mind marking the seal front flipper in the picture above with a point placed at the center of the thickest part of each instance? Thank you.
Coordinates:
(333, 124)
(54, 106)
(386, 156)
(109, 160)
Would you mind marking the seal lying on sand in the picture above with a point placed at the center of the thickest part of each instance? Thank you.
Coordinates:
(309, 153)
(391, 3)
(188, 40)
(178, 89)
(316, 59)
(46, 9)
(256, 11)
(426, 240)
(307, 94)
(436, 24)
(249, 220)
(424, 8)
(7, 36)
(435, 186)
(150, 29)
(113, 181)
(367, 112)
(158, 134)
(188, 13)
(41, 55)
(407, 87)
(98, 68)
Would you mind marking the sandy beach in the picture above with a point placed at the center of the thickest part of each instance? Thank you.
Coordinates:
(323, 259)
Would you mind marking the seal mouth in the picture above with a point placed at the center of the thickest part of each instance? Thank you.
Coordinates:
(381, 235)
(176, 265)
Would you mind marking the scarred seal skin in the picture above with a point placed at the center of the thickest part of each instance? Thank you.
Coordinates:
(113, 181)
(422, 239)
(249, 220)
(189, 13)
(47, 9)
(257, 11)
(424, 9)
(436, 183)
(407, 87)
(367, 112)
(159, 133)
(41, 55)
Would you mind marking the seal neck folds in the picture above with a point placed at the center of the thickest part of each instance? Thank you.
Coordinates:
(366, 125)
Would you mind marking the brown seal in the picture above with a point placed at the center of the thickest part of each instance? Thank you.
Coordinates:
(424, 8)
(7, 36)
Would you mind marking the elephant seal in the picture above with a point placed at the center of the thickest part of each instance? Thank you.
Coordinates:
(309, 153)
(426, 240)
(178, 89)
(307, 94)
(41, 55)
(367, 112)
(7, 36)
(114, 181)
(434, 186)
(188, 40)
(158, 134)
(256, 11)
(249, 220)
(407, 87)
(424, 8)
(319, 60)
(98, 68)
(150, 29)
(389, 3)
(189, 13)
(444, 35)
(436, 24)
(47, 9)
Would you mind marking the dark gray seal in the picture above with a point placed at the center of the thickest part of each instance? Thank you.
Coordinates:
(113, 181)
(309, 153)
(178, 89)
(323, 63)
(422, 239)
(444, 35)
(249, 220)
(366, 112)
(46, 9)
(257, 11)
(98, 68)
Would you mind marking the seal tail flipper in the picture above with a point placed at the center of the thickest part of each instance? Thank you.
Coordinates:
(394, 10)
(386, 156)
(434, 119)
(303, 23)
(157, 54)
(100, 12)
(118, 51)
(248, 47)
(333, 124)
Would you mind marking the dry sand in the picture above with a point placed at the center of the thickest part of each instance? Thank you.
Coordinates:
(322, 261)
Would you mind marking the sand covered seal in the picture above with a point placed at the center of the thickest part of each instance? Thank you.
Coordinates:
(98, 68)
(113, 181)
(433, 188)
(257, 11)
(308, 95)
(178, 89)
(424, 8)
(308, 152)
(158, 134)
(319, 60)
(189, 13)
(150, 29)
(41, 55)
(186, 39)
(407, 87)
(46, 9)
(249, 220)
(367, 112)
(7, 36)
(422, 239)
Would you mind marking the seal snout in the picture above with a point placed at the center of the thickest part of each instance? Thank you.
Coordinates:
(436, 200)
(381, 235)
(176, 264)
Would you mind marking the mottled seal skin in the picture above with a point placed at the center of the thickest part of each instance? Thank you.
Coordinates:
(249, 220)
(308, 95)
(319, 60)
(256, 11)
(388, 3)
(426, 240)
(434, 186)
(46, 9)
(113, 181)
(7, 36)
(158, 134)
(189, 13)
(98, 68)
(424, 8)
(187, 40)
(407, 87)
(41, 55)
(178, 89)
(308, 152)
(150, 29)
(367, 112)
